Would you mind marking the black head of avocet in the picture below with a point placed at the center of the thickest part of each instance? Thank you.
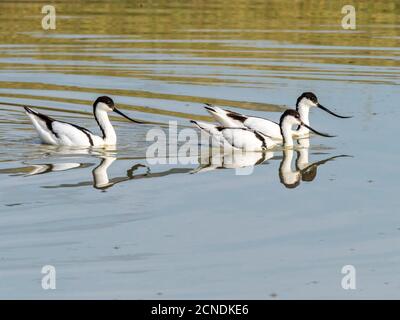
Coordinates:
(309, 100)
(106, 104)
(291, 118)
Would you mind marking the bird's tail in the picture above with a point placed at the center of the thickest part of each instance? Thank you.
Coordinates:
(207, 127)
(227, 118)
(29, 110)
(215, 111)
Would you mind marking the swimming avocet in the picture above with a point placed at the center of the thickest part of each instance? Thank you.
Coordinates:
(267, 127)
(253, 140)
(56, 132)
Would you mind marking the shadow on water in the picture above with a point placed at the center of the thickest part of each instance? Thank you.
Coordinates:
(304, 171)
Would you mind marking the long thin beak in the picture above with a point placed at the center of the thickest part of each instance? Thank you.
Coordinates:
(317, 132)
(332, 113)
(125, 116)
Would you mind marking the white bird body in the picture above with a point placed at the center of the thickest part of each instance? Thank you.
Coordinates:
(61, 133)
(56, 132)
(265, 126)
(212, 131)
(233, 119)
(245, 139)
(236, 138)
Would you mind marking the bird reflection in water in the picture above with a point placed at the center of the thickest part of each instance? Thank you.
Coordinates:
(101, 180)
(239, 160)
(100, 174)
(242, 162)
(304, 170)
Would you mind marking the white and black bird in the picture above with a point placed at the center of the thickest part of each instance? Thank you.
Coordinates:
(267, 127)
(57, 132)
(253, 140)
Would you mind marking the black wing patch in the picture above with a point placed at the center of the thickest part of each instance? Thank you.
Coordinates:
(46, 119)
(257, 134)
(237, 116)
(260, 137)
(220, 128)
(84, 130)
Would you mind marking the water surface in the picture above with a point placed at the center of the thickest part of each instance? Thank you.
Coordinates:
(116, 226)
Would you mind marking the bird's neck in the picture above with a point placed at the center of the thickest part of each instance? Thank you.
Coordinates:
(304, 112)
(286, 164)
(286, 174)
(109, 136)
(100, 176)
(287, 134)
(302, 158)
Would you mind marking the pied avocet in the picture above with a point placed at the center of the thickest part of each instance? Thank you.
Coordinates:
(56, 132)
(267, 127)
(253, 140)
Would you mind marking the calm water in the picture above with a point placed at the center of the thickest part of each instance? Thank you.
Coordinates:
(116, 226)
